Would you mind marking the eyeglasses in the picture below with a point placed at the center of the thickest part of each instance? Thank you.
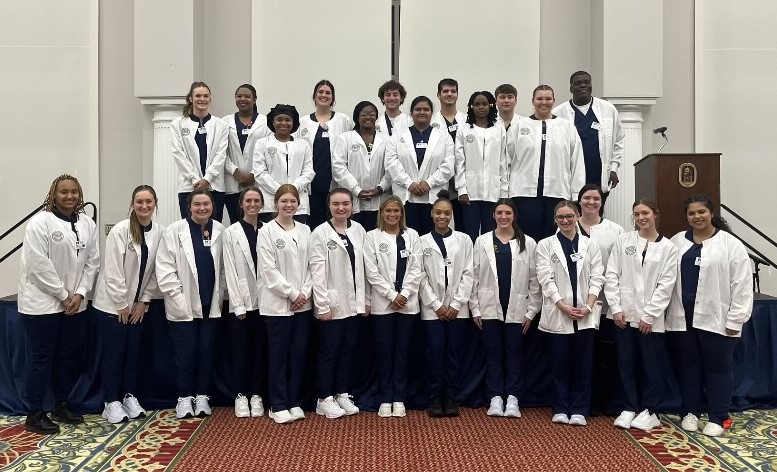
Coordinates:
(570, 216)
(368, 114)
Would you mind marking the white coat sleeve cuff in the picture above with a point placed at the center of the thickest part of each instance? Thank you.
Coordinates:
(530, 315)
(405, 293)
(736, 326)
(81, 292)
(456, 305)
(436, 305)
(63, 295)
(240, 310)
(615, 309)
(294, 294)
(556, 297)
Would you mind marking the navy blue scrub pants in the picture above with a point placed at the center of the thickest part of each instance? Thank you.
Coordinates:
(368, 219)
(50, 344)
(287, 342)
(193, 354)
(535, 216)
(232, 203)
(459, 221)
(336, 345)
(218, 204)
(319, 212)
(478, 218)
(443, 355)
(392, 343)
(503, 343)
(640, 373)
(248, 342)
(120, 345)
(419, 217)
(571, 367)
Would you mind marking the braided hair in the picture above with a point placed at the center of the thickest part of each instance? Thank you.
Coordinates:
(48, 203)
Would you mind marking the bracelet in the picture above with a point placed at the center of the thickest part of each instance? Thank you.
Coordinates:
(590, 309)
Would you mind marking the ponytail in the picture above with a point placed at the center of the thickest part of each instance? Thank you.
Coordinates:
(135, 228)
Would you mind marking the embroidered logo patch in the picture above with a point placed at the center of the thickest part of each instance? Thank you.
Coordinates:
(470, 138)
(402, 139)
(354, 148)
(184, 131)
(304, 131)
(272, 151)
(630, 250)
(331, 245)
(428, 252)
(383, 247)
(435, 125)
(57, 236)
(554, 259)
(130, 247)
(525, 131)
(280, 243)
(377, 128)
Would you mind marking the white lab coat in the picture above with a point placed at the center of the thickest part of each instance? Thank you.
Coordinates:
(117, 283)
(436, 169)
(277, 163)
(438, 121)
(356, 169)
(611, 134)
(401, 123)
(187, 154)
(237, 159)
(481, 162)
(525, 295)
(176, 272)
(553, 275)
(641, 290)
(244, 283)
(336, 288)
(501, 122)
(460, 275)
(339, 124)
(564, 163)
(605, 234)
(51, 269)
(724, 295)
(284, 258)
(380, 264)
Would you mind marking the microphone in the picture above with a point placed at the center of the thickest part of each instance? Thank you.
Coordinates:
(660, 130)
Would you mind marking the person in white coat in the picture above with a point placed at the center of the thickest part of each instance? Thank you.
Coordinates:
(420, 161)
(285, 303)
(321, 129)
(125, 286)
(481, 164)
(640, 278)
(339, 296)
(190, 274)
(393, 266)
(449, 118)
(445, 290)
(599, 127)
(199, 146)
(506, 100)
(281, 159)
(712, 300)
(392, 95)
(358, 164)
(505, 297)
(59, 263)
(571, 274)
(247, 332)
(246, 127)
(545, 157)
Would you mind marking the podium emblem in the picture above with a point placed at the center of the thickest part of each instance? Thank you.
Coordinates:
(687, 175)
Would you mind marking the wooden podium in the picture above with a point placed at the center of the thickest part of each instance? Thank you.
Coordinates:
(668, 179)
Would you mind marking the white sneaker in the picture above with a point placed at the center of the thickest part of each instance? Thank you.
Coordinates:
(114, 412)
(398, 410)
(384, 411)
(346, 403)
(577, 420)
(132, 407)
(712, 429)
(241, 406)
(201, 406)
(257, 407)
(297, 413)
(560, 418)
(645, 421)
(690, 422)
(281, 417)
(184, 408)
(329, 408)
(624, 419)
(511, 409)
(496, 408)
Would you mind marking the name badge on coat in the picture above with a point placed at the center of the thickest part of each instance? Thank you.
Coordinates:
(448, 261)
(576, 257)
(698, 261)
(325, 134)
(206, 242)
(403, 253)
(596, 125)
(246, 131)
(421, 145)
(201, 130)
(453, 128)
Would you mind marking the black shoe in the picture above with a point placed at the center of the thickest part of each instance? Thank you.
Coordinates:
(63, 414)
(436, 409)
(451, 407)
(38, 422)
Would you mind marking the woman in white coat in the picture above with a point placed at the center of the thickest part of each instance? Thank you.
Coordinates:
(339, 296)
(505, 297)
(546, 164)
(393, 266)
(247, 333)
(481, 164)
(321, 129)
(420, 161)
(446, 287)
(285, 303)
(246, 127)
(712, 300)
(59, 263)
(640, 279)
(280, 159)
(199, 146)
(358, 165)
(191, 276)
(571, 274)
(125, 286)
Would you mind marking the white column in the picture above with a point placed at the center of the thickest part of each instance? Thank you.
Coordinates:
(165, 173)
(631, 111)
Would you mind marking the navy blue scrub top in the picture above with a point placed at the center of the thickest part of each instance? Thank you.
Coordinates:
(689, 273)
(322, 159)
(453, 127)
(504, 270)
(420, 137)
(239, 126)
(438, 238)
(589, 136)
(401, 262)
(570, 247)
(202, 140)
(203, 259)
(349, 248)
(143, 259)
(251, 235)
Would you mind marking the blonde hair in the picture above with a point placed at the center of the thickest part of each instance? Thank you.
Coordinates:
(136, 230)
(402, 220)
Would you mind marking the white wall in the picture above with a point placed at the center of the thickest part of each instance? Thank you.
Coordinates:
(48, 51)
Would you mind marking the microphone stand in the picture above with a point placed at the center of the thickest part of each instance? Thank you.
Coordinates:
(666, 140)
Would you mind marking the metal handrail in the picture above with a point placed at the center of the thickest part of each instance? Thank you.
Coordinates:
(757, 257)
(749, 225)
(20, 222)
